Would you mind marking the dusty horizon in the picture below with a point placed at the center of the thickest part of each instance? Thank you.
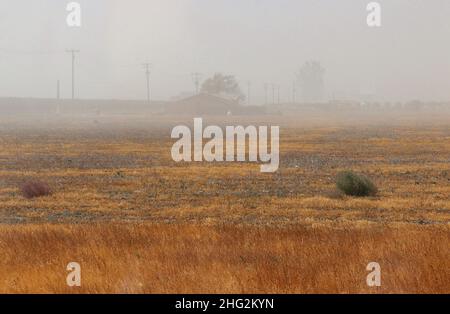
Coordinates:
(261, 42)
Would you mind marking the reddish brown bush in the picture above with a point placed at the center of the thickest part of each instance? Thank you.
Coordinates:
(32, 189)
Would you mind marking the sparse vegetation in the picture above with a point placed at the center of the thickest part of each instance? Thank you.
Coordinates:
(34, 188)
(354, 184)
(121, 206)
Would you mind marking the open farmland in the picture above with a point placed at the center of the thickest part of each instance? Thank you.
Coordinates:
(121, 205)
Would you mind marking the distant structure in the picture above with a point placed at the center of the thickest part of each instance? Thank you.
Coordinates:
(147, 76)
(73, 52)
(58, 94)
(266, 88)
(273, 93)
(209, 104)
(249, 86)
(58, 97)
(294, 91)
(196, 77)
(278, 93)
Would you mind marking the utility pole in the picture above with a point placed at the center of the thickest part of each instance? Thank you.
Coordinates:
(273, 93)
(58, 96)
(73, 52)
(196, 77)
(294, 91)
(278, 87)
(266, 94)
(266, 87)
(147, 75)
(249, 86)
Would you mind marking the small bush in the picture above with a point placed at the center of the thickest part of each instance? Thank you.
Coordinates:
(32, 189)
(354, 184)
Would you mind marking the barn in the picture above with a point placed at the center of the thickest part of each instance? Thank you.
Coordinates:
(208, 104)
(202, 104)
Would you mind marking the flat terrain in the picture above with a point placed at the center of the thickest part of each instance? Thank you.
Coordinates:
(161, 258)
(139, 222)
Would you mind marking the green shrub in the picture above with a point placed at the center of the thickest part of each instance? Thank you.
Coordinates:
(354, 184)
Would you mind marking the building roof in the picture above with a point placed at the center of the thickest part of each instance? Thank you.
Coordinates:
(202, 104)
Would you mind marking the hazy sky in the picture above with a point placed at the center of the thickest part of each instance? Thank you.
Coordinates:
(260, 41)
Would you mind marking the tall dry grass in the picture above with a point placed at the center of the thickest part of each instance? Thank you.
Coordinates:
(125, 258)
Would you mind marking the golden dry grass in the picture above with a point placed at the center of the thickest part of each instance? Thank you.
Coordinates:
(138, 222)
(124, 258)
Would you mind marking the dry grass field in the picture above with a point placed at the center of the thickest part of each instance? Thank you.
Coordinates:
(161, 258)
(138, 222)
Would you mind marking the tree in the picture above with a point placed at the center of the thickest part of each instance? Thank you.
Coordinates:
(311, 79)
(223, 85)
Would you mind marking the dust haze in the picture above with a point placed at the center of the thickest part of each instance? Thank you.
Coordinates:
(359, 121)
(262, 42)
(261, 58)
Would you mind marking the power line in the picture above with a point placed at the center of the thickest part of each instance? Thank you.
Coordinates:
(73, 52)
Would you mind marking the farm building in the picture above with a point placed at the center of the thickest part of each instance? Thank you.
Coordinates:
(208, 104)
